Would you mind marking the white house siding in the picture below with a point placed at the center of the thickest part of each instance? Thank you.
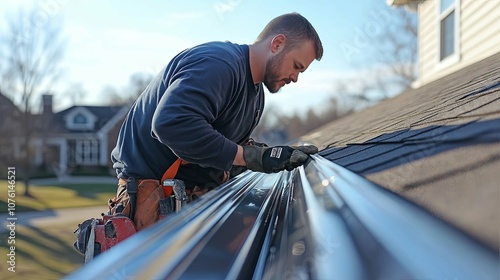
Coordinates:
(479, 37)
(427, 35)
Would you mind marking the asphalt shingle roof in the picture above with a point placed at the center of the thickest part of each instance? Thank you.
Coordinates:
(438, 145)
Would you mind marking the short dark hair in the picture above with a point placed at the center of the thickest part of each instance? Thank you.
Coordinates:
(296, 29)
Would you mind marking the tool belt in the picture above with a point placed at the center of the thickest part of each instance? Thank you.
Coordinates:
(147, 201)
(141, 205)
(137, 204)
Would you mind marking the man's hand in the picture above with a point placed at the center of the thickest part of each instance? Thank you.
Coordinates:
(252, 142)
(276, 159)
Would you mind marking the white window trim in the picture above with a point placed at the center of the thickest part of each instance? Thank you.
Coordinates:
(70, 119)
(454, 58)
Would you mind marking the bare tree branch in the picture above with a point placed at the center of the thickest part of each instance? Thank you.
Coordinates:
(33, 49)
(397, 46)
(137, 83)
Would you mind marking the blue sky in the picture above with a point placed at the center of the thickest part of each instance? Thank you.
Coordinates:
(108, 41)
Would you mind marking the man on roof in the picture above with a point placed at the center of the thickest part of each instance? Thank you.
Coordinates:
(202, 108)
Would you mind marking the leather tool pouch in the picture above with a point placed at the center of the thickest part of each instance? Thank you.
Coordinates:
(147, 206)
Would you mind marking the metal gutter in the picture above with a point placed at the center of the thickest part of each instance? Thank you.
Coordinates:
(317, 222)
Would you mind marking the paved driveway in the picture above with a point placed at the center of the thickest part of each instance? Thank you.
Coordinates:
(59, 216)
(53, 217)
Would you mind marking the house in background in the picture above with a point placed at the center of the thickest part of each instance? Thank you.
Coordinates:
(453, 34)
(77, 140)
(9, 128)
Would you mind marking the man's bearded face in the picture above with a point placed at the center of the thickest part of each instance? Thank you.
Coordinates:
(272, 79)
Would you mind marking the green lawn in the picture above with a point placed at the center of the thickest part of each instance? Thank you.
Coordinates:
(57, 196)
(41, 253)
(47, 252)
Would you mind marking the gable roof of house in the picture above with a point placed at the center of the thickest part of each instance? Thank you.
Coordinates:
(438, 145)
(55, 123)
(103, 115)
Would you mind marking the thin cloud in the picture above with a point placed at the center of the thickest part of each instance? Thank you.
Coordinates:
(223, 7)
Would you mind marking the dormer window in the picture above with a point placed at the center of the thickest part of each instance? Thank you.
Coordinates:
(79, 119)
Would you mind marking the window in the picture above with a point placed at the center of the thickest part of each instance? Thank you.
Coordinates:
(83, 152)
(448, 28)
(80, 119)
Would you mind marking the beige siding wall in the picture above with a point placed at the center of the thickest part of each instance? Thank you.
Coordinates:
(427, 43)
(480, 31)
(479, 37)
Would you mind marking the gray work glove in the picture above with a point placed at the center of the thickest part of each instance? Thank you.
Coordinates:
(252, 142)
(237, 170)
(276, 159)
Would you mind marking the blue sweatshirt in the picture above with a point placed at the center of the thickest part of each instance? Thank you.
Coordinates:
(198, 108)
